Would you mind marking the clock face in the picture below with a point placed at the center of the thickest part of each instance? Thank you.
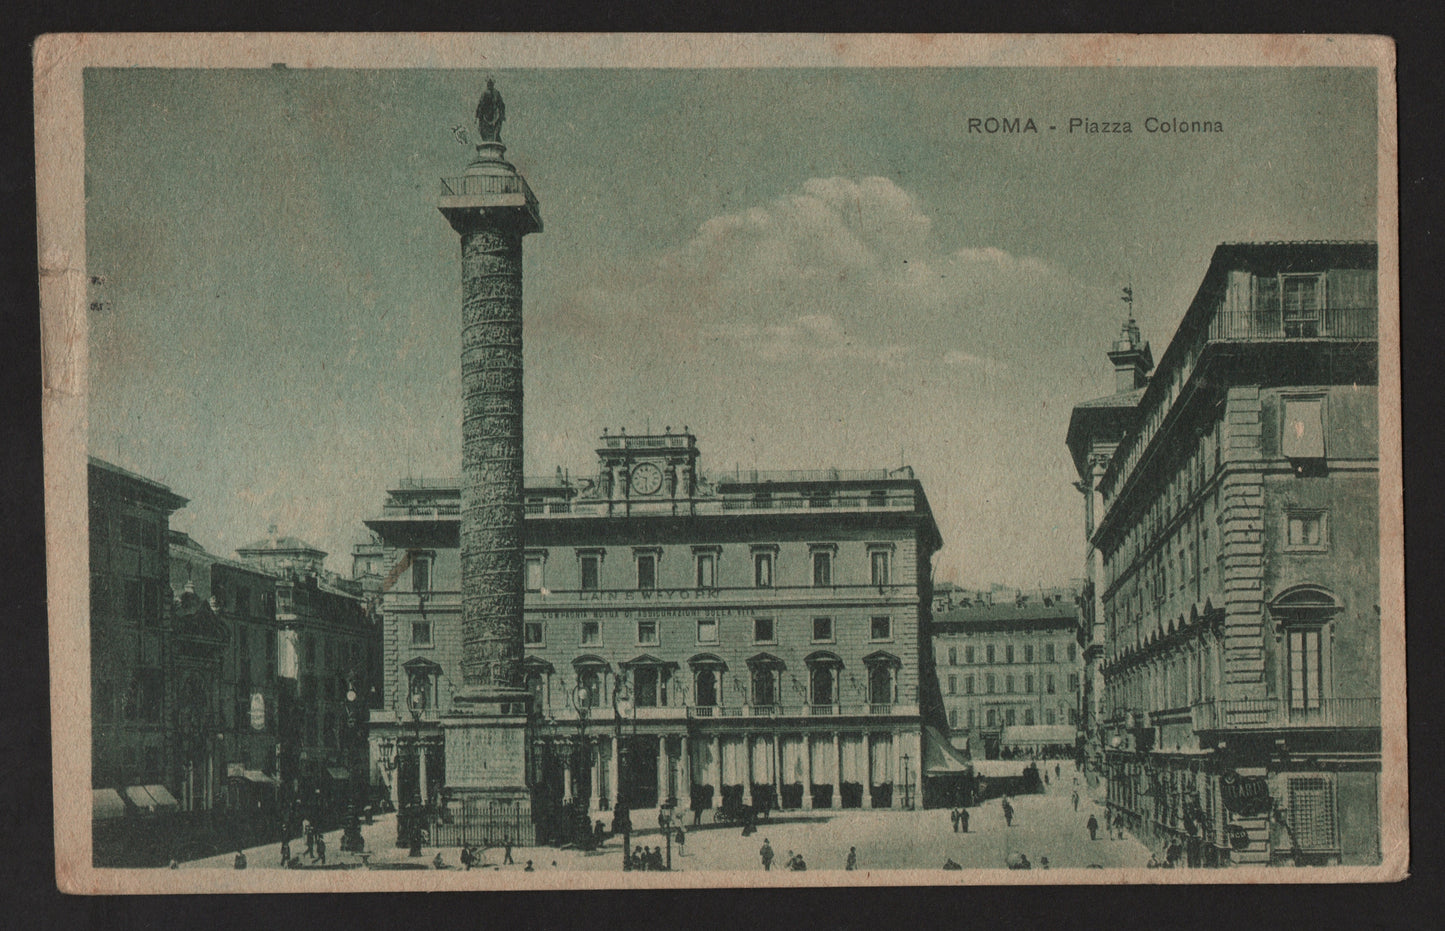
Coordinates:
(646, 479)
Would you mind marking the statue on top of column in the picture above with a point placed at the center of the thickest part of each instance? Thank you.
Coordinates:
(491, 111)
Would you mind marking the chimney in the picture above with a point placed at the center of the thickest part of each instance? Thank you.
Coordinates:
(1132, 359)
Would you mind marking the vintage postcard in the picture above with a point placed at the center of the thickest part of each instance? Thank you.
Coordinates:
(594, 461)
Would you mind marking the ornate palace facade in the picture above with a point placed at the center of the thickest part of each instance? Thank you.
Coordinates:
(755, 637)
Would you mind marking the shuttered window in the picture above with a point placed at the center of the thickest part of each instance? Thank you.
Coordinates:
(1302, 434)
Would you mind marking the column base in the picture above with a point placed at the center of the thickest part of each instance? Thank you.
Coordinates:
(486, 752)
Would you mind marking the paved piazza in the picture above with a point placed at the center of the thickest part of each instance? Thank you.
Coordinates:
(1044, 826)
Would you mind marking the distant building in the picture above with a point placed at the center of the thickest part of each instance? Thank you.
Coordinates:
(764, 630)
(1095, 430)
(1010, 677)
(336, 639)
(1237, 527)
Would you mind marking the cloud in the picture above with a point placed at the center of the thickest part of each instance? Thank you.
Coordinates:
(967, 359)
(812, 338)
(842, 269)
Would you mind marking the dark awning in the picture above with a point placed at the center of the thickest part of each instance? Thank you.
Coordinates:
(939, 756)
(106, 804)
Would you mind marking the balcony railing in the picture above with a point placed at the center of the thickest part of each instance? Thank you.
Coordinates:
(780, 502)
(796, 711)
(471, 185)
(1272, 323)
(1276, 714)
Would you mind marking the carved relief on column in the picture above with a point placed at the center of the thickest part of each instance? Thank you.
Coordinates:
(492, 512)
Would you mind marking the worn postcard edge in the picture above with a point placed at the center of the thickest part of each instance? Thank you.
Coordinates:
(59, 63)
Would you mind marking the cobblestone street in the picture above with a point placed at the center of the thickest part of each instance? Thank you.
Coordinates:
(1044, 826)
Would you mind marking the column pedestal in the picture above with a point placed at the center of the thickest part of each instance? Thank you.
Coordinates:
(837, 772)
(807, 772)
(747, 769)
(867, 770)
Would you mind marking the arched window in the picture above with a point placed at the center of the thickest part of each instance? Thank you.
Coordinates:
(422, 675)
(825, 670)
(707, 672)
(1303, 614)
(882, 677)
(765, 671)
(591, 672)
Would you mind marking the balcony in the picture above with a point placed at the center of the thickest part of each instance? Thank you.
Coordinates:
(874, 709)
(1273, 323)
(1275, 714)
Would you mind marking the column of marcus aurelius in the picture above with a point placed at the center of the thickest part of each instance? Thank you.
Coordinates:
(491, 208)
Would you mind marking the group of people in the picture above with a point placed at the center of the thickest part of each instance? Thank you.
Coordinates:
(1173, 856)
(959, 817)
(795, 861)
(315, 847)
(646, 858)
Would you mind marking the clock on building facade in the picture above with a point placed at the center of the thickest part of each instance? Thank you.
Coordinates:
(646, 478)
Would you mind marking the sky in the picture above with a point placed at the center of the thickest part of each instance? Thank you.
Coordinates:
(808, 268)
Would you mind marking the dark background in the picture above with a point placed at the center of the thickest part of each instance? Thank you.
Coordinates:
(28, 897)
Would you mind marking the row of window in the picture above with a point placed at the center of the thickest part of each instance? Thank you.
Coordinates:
(764, 631)
(991, 653)
(1191, 676)
(761, 687)
(140, 532)
(141, 700)
(141, 599)
(1008, 717)
(823, 558)
(991, 682)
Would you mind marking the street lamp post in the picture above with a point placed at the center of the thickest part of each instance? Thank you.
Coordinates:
(351, 839)
(419, 814)
(907, 783)
(582, 704)
(622, 706)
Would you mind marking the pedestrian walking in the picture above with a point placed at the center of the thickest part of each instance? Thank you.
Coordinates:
(468, 858)
(954, 815)
(1093, 826)
(852, 863)
(1075, 798)
(1008, 812)
(681, 840)
(766, 853)
(285, 852)
(321, 848)
(310, 838)
(963, 820)
(507, 857)
(1056, 770)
